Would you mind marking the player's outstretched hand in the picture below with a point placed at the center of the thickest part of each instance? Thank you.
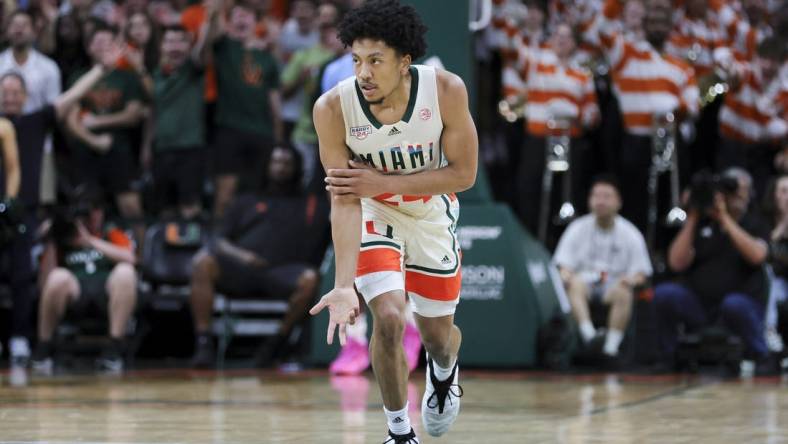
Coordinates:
(342, 306)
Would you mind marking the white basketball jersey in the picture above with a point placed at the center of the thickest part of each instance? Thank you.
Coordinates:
(405, 147)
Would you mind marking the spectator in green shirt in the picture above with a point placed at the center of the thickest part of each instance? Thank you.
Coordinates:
(302, 73)
(248, 109)
(102, 130)
(179, 129)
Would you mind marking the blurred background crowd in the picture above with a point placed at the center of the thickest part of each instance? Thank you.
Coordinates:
(130, 124)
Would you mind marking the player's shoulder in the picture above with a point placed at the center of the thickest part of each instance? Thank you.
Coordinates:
(448, 82)
(329, 102)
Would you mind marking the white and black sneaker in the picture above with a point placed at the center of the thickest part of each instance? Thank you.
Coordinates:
(441, 402)
(408, 438)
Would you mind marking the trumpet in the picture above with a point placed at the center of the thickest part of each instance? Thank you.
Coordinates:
(664, 159)
(558, 160)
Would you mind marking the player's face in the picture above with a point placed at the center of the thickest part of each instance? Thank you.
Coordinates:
(12, 96)
(378, 67)
(604, 201)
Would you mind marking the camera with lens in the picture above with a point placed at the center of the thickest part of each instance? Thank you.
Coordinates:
(705, 185)
(76, 206)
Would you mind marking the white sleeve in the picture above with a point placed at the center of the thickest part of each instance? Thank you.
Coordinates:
(568, 246)
(640, 260)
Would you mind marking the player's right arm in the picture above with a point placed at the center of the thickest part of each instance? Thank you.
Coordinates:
(342, 301)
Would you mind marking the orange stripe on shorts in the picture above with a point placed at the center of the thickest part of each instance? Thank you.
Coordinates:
(434, 287)
(378, 259)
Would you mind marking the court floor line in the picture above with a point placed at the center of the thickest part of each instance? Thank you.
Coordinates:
(675, 391)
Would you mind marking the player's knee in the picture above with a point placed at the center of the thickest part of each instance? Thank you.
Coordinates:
(389, 325)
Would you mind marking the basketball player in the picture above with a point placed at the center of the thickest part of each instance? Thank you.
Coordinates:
(397, 141)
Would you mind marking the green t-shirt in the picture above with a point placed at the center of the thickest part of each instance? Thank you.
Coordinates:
(311, 58)
(179, 108)
(111, 95)
(244, 77)
(89, 263)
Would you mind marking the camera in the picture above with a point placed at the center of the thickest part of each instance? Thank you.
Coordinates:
(705, 184)
(76, 206)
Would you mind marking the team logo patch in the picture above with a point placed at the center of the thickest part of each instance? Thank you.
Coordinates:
(361, 132)
(425, 114)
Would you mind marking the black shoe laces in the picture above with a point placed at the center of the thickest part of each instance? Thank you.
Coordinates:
(408, 438)
(442, 389)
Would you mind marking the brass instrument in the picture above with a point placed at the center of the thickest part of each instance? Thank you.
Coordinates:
(558, 160)
(664, 159)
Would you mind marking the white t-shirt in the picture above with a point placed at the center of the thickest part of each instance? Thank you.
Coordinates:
(593, 252)
(41, 74)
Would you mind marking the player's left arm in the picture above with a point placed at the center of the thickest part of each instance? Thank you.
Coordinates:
(460, 146)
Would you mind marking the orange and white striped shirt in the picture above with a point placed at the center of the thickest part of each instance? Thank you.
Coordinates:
(645, 81)
(755, 111)
(694, 41)
(739, 34)
(555, 90)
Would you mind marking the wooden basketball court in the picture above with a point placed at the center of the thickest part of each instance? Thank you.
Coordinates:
(175, 406)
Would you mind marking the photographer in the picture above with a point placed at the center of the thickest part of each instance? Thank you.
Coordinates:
(87, 265)
(719, 255)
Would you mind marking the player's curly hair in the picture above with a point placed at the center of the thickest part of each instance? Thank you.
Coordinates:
(398, 26)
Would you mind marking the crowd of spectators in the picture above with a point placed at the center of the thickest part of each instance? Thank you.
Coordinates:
(174, 110)
(201, 111)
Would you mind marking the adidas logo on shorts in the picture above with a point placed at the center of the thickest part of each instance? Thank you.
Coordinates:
(394, 131)
(445, 260)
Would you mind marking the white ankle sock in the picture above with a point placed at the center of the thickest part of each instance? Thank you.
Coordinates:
(441, 373)
(358, 331)
(612, 341)
(587, 331)
(399, 421)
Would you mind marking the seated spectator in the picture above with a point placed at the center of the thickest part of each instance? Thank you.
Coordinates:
(31, 129)
(719, 255)
(102, 129)
(602, 257)
(264, 249)
(179, 140)
(88, 264)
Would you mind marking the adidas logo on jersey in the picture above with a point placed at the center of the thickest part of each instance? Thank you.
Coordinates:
(394, 131)
(398, 420)
(445, 260)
